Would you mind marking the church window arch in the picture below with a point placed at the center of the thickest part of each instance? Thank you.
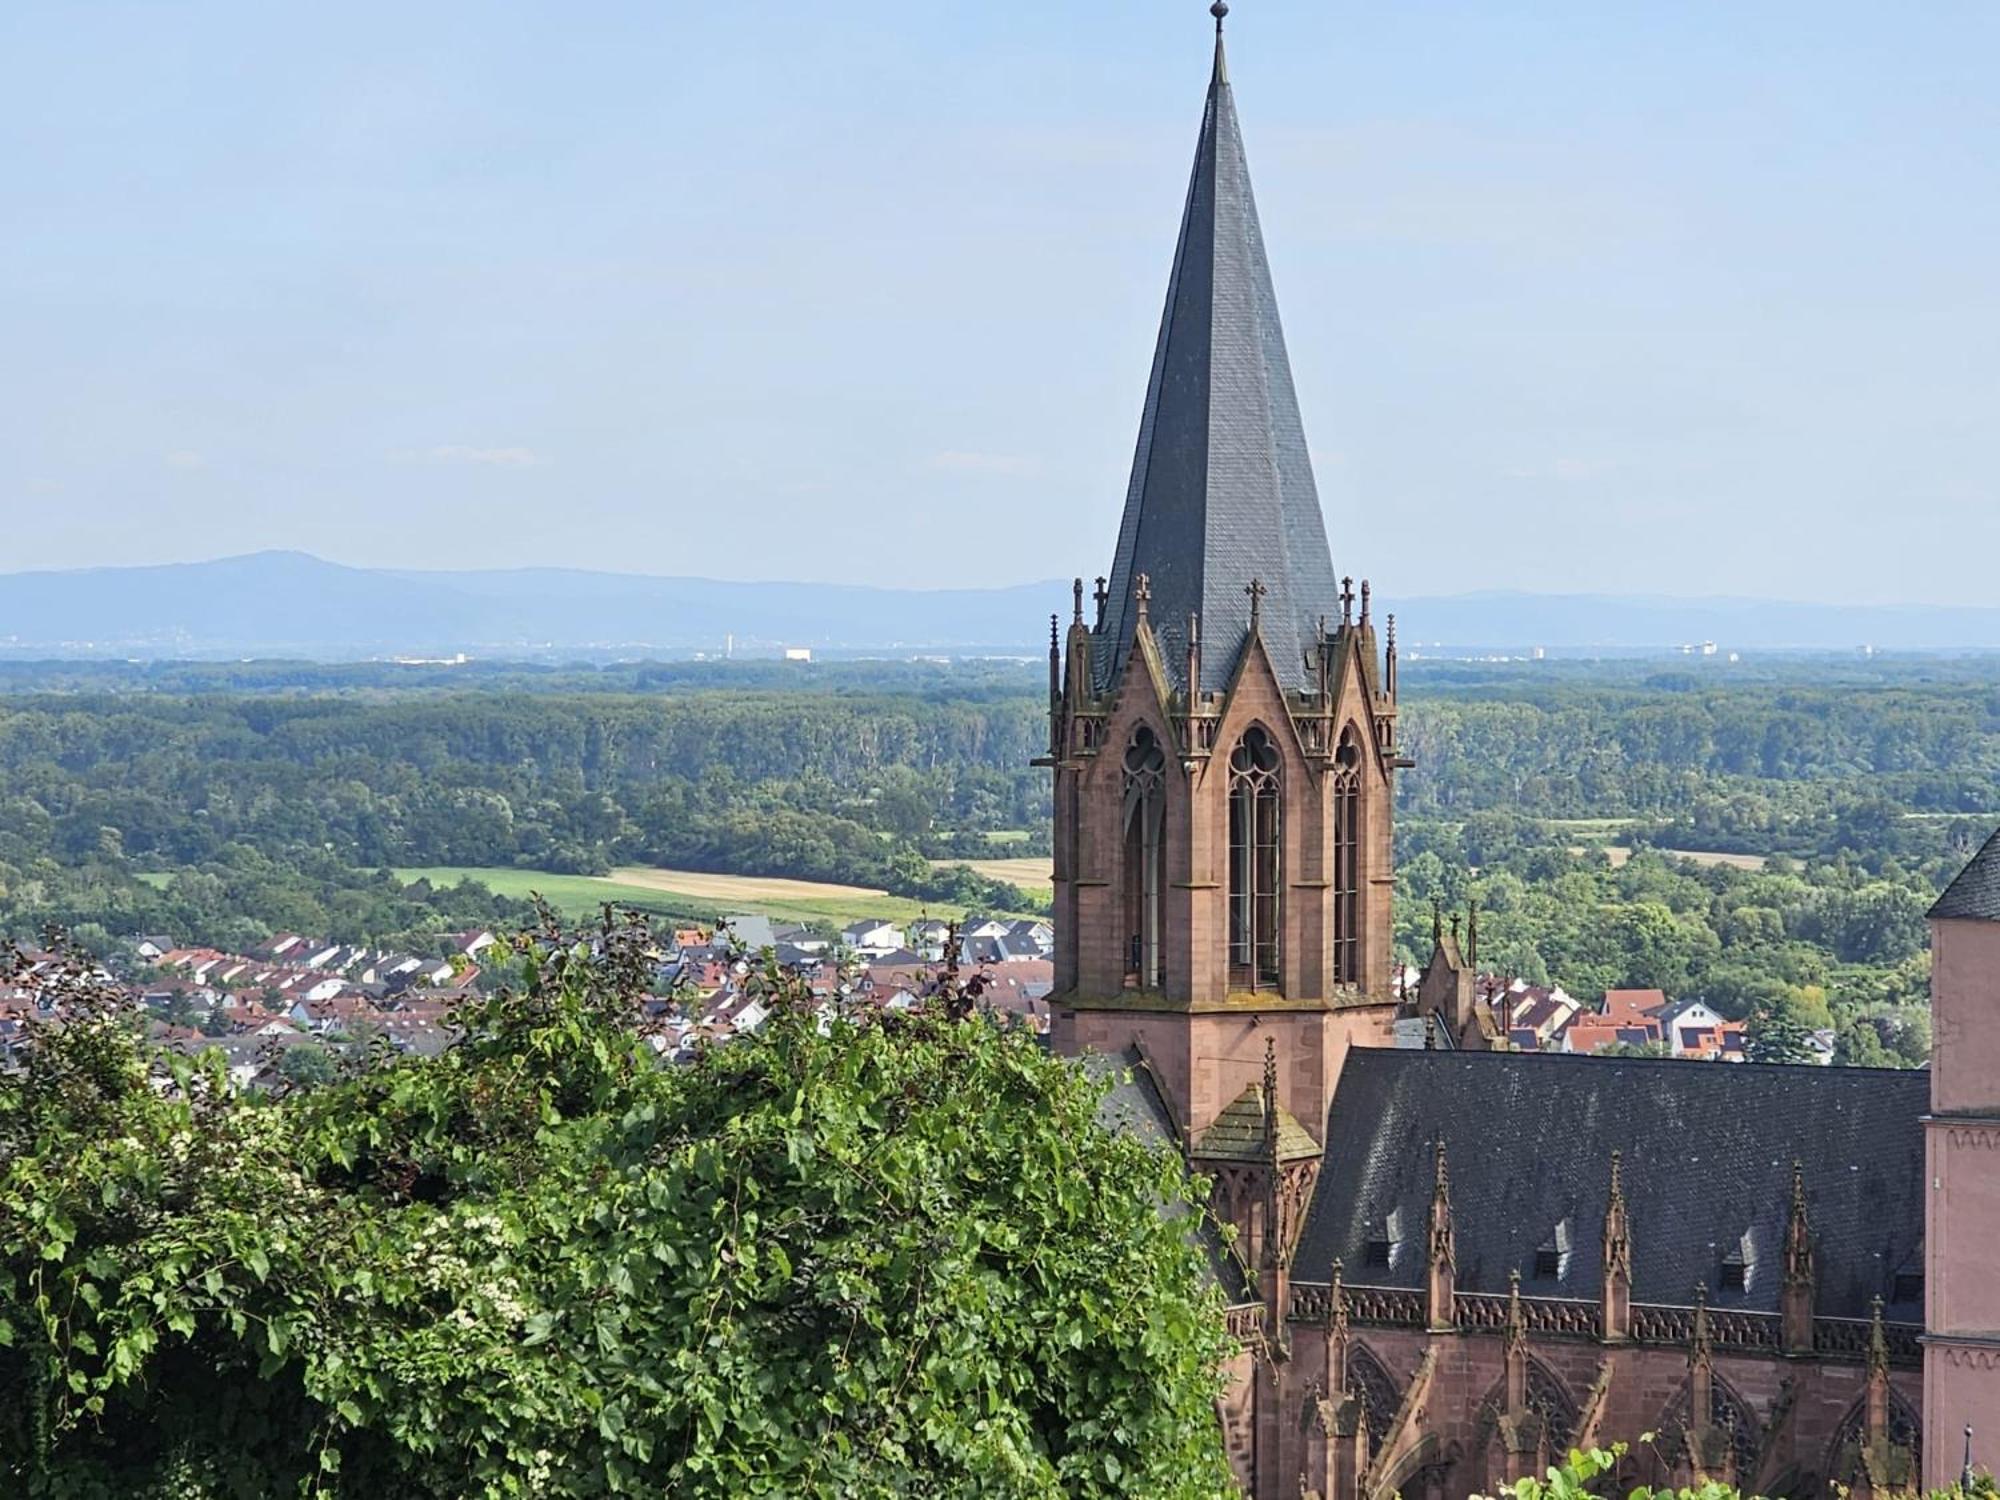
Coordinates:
(1255, 788)
(1145, 825)
(1347, 858)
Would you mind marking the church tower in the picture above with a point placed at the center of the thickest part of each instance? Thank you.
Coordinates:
(1222, 715)
(1962, 1138)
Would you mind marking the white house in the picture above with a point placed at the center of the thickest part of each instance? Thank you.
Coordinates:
(1684, 1024)
(872, 937)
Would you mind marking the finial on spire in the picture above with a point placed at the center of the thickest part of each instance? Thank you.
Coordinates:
(1256, 590)
(1077, 592)
(1878, 1340)
(1052, 629)
(1219, 10)
(1102, 596)
(1347, 601)
(1142, 595)
(1364, 602)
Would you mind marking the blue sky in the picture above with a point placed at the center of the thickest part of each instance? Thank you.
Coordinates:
(1684, 299)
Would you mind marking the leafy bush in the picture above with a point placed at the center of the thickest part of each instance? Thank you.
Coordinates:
(1572, 1480)
(843, 1257)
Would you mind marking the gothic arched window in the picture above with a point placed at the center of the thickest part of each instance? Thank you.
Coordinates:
(1253, 859)
(1347, 859)
(1145, 838)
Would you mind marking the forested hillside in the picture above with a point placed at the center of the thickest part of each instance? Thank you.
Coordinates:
(219, 801)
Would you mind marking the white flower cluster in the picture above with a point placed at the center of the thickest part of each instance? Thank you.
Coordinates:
(484, 1292)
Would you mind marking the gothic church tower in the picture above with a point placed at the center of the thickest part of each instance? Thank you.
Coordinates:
(1222, 717)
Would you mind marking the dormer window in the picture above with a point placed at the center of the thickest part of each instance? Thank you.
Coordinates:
(1552, 1255)
(1739, 1265)
(1385, 1238)
(1907, 1282)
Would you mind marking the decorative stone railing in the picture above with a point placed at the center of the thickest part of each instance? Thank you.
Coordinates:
(1730, 1331)
(1246, 1321)
(1847, 1339)
(1545, 1317)
(1383, 1306)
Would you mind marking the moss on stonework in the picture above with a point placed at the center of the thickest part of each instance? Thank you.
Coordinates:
(1238, 1132)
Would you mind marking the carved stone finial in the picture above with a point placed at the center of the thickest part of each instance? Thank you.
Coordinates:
(1347, 601)
(1431, 1032)
(1052, 623)
(1078, 590)
(1142, 595)
(1271, 1095)
(1256, 590)
(1878, 1340)
(1441, 1294)
(1103, 597)
(1798, 1233)
(1364, 601)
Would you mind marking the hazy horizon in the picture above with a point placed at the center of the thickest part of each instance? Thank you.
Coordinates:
(1692, 305)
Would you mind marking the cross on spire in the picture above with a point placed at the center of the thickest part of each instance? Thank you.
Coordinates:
(1256, 590)
(1346, 601)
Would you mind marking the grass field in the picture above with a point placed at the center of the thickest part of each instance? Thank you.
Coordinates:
(697, 896)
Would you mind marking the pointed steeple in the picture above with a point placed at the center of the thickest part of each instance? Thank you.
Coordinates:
(1795, 1291)
(1617, 1290)
(1222, 489)
(1441, 1300)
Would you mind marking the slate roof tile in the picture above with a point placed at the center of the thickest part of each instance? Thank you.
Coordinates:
(1222, 486)
(1708, 1149)
(1975, 894)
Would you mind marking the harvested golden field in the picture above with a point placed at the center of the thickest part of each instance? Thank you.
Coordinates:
(1029, 872)
(747, 889)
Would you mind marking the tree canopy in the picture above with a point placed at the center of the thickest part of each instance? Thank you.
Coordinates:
(846, 1256)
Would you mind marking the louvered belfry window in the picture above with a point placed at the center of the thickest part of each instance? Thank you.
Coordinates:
(1145, 833)
(1254, 802)
(1347, 859)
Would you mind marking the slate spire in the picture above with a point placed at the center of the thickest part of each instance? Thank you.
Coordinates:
(1222, 489)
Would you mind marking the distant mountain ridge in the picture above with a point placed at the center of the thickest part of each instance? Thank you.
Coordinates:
(293, 604)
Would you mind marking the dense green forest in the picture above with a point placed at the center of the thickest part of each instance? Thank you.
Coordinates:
(217, 801)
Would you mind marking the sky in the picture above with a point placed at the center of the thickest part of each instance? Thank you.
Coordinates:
(1689, 299)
